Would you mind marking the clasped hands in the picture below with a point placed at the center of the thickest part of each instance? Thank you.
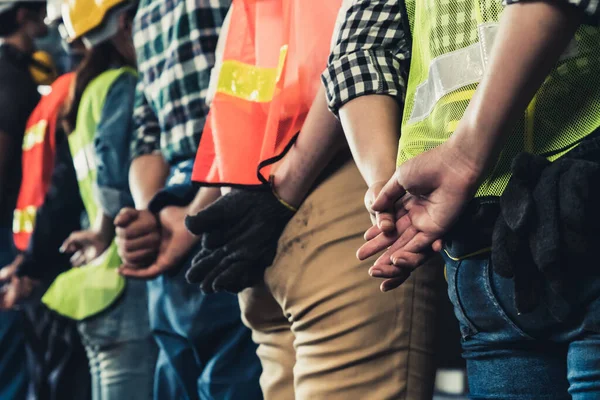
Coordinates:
(413, 210)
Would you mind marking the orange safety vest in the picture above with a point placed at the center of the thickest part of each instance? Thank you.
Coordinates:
(273, 57)
(39, 148)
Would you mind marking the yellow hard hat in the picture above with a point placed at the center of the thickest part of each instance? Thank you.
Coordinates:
(82, 17)
(42, 68)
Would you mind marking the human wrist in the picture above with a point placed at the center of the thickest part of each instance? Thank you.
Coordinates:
(287, 190)
(289, 182)
(470, 156)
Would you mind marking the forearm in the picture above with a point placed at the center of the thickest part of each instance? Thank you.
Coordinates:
(147, 175)
(372, 127)
(205, 197)
(321, 138)
(530, 40)
(105, 228)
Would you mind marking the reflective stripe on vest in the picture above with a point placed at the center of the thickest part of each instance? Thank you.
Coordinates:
(452, 42)
(84, 292)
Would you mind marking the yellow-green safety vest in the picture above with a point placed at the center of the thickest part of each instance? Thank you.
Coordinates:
(452, 41)
(84, 292)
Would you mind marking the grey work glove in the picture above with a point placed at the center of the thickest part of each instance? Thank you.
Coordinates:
(240, 232)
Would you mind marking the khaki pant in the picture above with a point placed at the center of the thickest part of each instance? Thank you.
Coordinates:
(324, 329)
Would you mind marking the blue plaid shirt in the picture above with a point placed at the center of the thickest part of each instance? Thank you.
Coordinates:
(175, 42)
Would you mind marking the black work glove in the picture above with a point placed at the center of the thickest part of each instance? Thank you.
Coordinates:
(240, 232)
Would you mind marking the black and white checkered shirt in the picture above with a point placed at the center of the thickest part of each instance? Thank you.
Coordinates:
(371, 52)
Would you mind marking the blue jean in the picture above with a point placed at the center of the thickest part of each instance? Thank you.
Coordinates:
(550, 353)
(205, 351)
(13, 357)
(120, 348)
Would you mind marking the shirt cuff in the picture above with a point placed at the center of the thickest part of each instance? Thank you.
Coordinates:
(113, 200)
(363, 73)
(143, 148)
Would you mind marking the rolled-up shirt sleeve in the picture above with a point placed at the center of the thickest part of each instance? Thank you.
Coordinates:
(146, 129)
(370, 54)
(591, 8)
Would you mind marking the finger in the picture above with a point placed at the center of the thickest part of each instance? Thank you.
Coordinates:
(404, 232)
(72, 244)
(437, 246)
(6, 273)
(209, 219)
(125, 217)
(388, 271)
(137, 229)
(78, 259)
(149, 241)
(385, 221)
(374, 246)
(127, 265)
(404, 259)
(372, 232)
(207, 285)
(239, 276)
(391, 284)
(203, 264)
(151, 272)
(420, 243)
(409, 233)
(140, 257)
(384, 259)
(389, 194)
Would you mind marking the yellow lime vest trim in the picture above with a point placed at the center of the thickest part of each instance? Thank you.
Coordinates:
(249, 82)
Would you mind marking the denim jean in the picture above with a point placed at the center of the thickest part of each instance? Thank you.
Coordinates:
(550, 353)
(13, 357)
(206, 353)
(120, 348)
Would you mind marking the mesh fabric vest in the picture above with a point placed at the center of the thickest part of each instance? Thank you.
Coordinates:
(83, 292)
(452, 41)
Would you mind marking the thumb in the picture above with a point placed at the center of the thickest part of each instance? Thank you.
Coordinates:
(389, 194)
(151, 272)
(74, 242)
(126, 216)
(209, 219)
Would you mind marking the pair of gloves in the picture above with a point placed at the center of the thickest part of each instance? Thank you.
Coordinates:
(240, 233)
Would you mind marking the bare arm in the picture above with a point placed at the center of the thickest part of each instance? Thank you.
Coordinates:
(532, 36)
(372, 128)
(147, 175)
(320, 140)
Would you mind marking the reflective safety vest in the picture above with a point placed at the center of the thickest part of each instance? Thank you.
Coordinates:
(452, 41)
(39, 148)
(83, 292)
(274, 54)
